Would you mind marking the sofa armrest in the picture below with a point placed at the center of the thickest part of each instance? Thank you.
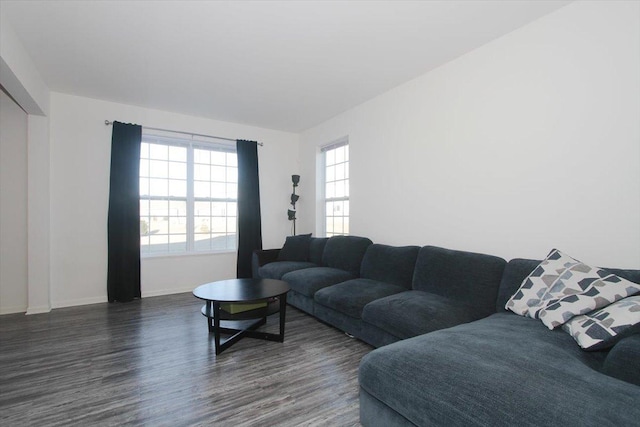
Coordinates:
(262, 257)
(622, 360)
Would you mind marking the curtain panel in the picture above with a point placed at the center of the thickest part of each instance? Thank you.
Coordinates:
(123, 275)
(249, 220)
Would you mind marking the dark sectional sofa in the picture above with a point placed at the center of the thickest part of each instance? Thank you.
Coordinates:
(448, 352)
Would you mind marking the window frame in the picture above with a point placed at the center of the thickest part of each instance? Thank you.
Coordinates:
(190, 200)
(342, 142)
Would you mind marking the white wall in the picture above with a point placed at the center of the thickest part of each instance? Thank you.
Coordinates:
(527, 143)
(19, 75)
(80, 157)
(13, 206)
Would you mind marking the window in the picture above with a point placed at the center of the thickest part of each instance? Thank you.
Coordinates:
(188, 196)
(336, 189)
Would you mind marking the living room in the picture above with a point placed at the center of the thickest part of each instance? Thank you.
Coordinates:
(522, 143)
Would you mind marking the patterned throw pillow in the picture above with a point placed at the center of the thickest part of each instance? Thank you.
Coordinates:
(603, 328)
(562, 287)
(600, 292)
(526, 301)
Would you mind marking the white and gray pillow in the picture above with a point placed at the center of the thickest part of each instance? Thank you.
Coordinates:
(603, 328)
(597, 293)
(562, 287)
(528, 300)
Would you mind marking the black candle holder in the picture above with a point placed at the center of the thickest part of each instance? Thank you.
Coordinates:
(291, 213)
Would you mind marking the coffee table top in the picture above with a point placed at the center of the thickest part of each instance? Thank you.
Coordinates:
(241, 290)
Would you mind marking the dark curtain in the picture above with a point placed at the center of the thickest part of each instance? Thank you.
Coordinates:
(249, 222)
(123, 276)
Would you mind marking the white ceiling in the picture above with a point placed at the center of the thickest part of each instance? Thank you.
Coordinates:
(285, 65)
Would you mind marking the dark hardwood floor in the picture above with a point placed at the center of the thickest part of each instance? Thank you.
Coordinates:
(152, 362)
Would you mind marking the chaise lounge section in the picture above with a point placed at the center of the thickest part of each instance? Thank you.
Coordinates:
(501, 370)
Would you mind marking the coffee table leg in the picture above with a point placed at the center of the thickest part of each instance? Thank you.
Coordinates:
(208, 314)
(216, 325)
(283, 312)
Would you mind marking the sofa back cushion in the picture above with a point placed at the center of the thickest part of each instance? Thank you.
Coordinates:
(515, 272)
(345, 253)
(467, 277)
(316, 249)
(296, 248)
(390, 264)
(518, 269)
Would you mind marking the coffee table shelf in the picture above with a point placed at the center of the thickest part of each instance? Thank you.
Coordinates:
(272, 308)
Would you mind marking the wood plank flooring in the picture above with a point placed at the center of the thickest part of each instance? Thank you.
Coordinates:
(152, 362)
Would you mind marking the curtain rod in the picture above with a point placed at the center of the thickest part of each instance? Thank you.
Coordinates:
(107, 122)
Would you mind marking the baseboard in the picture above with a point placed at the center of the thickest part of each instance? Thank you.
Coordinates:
(79, 301)
(12, 310)
(166, 292)
(38, 310)
(86, 301)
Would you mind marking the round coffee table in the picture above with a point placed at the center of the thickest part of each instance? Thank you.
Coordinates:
(242, 324)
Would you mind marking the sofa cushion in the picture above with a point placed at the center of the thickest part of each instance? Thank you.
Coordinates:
(622, 360)
(603, 328)
(308, 281)
(390, 264)
(316, 248)
(469, 278)
(345, 253)
(300, 301)
(275, 270)
(501, 370)
(296, 248)
(351, 296)
(515, 272)
(412, 313)
(260, 257)
(562, 287)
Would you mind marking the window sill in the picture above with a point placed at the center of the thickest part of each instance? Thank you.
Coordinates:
(185, 254)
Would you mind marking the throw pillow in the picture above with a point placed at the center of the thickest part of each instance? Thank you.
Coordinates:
(591, 294)
(602, 328)
(562, 287)
(296, 248)
(535, 285)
